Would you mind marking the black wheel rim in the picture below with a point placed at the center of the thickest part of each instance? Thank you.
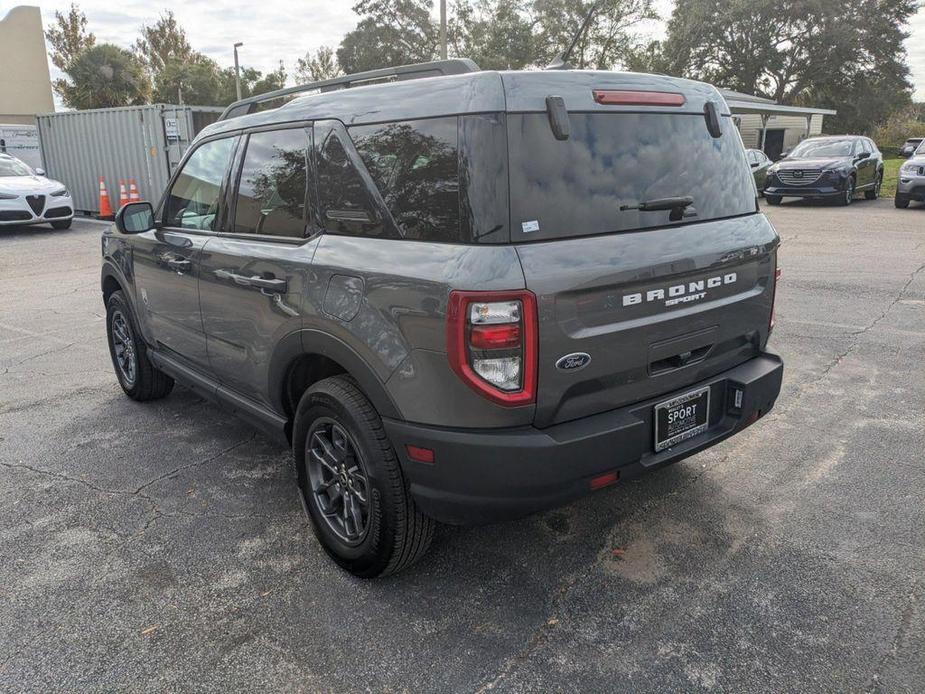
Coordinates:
(123, 349)
(338, 482)
(849, 193)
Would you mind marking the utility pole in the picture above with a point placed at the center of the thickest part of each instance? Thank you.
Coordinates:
(443, 29)
(237, 71)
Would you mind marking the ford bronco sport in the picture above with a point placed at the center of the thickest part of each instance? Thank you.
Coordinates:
(459, 295)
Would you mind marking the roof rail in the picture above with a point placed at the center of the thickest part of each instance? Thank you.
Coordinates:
(456, 66)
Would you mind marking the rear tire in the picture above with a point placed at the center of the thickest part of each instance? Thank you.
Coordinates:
(773, 199)
(342, 455)
(139, 378)
(900, 202)
(61, 224)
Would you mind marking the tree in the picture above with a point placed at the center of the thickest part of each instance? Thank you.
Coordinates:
(196, 81)
(317, 66)
(104, 76)
(161, 43)
(848, 56)
(68, 38)
(496, 34)
(389, 33)
(611, 37)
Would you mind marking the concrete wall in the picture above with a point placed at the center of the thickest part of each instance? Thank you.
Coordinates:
(794, 128)
(25, 84)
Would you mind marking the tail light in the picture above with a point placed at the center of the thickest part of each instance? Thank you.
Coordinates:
(777, 273)
(491, 344)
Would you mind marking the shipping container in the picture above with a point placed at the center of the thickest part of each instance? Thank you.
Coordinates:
(22, 142)
(141, 142)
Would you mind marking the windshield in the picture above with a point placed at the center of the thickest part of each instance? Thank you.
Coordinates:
(594, 182)
(812, 149)
(921, 148)
(13, 167)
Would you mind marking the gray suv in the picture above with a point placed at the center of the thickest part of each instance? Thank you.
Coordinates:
(461, 296)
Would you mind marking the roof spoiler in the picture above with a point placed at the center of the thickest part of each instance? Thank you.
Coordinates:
(439, 68)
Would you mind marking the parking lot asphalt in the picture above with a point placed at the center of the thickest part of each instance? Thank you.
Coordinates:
(162, 546)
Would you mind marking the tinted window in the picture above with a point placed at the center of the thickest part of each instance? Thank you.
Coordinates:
(415, 167)
(194, 198)
(272, 188)
(347, 203)
(578, 186)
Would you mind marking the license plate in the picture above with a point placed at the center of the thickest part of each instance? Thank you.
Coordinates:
(681, 418)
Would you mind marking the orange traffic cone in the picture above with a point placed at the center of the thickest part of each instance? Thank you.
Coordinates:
(105, 207)
(133, 195)
(123, 193)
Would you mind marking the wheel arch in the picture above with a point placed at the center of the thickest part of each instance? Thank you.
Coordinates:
(304, 357)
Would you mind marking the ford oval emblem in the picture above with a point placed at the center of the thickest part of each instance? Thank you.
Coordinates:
(573, 362)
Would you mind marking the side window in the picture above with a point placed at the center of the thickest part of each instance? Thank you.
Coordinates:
(271, 193)
(347, 204)
(194, 198)
(415, 165)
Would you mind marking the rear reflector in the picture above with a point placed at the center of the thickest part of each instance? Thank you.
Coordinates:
(420, 455)
(495, 336)
(604, 480)
(610, 97)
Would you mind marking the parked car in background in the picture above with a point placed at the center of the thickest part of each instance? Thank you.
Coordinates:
(911, 183)
(453, 296)
(909, 146)
(27, 197)
(827, 168)
(759, 163)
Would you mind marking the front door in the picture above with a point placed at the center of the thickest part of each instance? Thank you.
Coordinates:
(167, 260)
(253, 277)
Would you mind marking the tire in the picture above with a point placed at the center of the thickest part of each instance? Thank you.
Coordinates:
(61, 224)
(875, 193)
(900, 202)
(389, 533)
(848, 195)
(142, 381)
(773, 199)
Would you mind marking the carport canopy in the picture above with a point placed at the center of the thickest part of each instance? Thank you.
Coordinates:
(747, 103)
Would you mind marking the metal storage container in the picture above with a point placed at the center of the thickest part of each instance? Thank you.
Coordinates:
(141, 142)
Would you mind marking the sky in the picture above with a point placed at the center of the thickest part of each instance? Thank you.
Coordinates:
(285, 30)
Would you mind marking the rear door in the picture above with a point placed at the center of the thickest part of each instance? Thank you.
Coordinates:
(167, 260)
(253, 273)
(658, 300)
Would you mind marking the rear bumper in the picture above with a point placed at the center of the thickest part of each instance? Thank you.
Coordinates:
(486, 475)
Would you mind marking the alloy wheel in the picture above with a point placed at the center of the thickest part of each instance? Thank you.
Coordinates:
(124, 348)
(849, 191)
(338, 480)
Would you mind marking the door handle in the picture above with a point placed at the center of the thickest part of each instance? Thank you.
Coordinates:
(265, 285)
(178, 264)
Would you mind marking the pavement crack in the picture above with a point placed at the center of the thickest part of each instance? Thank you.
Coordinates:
(197, 463)
(905, 622)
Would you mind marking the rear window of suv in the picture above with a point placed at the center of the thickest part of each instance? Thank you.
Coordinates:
(576, 187)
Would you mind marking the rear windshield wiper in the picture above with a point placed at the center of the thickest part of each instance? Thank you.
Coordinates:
(675, 205)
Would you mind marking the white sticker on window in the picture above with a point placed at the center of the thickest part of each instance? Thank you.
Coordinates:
(532, 225)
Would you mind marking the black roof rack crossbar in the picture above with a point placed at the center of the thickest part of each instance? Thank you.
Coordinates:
(456, 66)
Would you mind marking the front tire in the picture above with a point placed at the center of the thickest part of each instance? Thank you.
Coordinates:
(139, 378)
(875, 193)
(61, 224)
(900, 202)
(848, 194)
(352, 484)
(773, 199)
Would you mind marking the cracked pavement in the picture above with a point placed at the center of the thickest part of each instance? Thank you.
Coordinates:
(162, 546)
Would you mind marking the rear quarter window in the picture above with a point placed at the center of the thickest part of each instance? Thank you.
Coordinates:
(576, 187)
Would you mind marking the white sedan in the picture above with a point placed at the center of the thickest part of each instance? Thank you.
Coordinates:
(27, 197)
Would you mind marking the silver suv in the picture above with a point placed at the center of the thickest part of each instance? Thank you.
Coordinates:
(460, 296)
(911, 183)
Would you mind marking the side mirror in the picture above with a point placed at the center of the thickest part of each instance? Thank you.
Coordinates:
(135, 218)
(39, 172)
(785, 154)
(863, 155)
